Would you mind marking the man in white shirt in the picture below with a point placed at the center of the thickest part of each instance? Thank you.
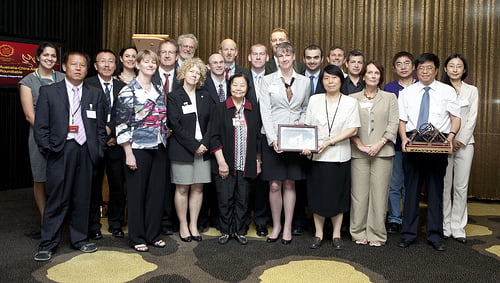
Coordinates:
(427, 101)
(229, 50)
(188, 43)
(313, 59)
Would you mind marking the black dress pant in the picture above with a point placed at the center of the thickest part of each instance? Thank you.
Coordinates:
(113, 165)
(420, 168)
(261, 211)
(146, 194)
(233, 194)
(68, 187)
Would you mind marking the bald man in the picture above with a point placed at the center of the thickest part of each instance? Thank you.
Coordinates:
(229, 51)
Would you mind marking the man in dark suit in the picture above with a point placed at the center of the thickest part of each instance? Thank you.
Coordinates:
(229, 50)
(215, 83)
(313, 59)
(105, 65)
(261, 215)
(70, 130)
(166, 78)
(279, 35)
(354, 64)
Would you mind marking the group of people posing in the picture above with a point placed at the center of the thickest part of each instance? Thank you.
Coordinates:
(211, 130)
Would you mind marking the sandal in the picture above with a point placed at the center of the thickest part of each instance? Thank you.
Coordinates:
(361, 242)
(141, 248)
(375, 244)
(159, 244)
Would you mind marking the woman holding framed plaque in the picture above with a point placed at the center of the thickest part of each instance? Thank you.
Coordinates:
(459, 163)
(372, 156)
(283, 100)
(329, 181)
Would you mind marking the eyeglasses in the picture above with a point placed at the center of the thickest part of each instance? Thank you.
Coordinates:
(405, 63)
(187, 46)
(169, 52)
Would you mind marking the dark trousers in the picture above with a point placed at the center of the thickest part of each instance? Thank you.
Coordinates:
(169, 218)
(146, 193)
(420, 168)
(299, 213)
(209, 211)
(261, 212)
(113, 165)
(233, 194)
(69, 175)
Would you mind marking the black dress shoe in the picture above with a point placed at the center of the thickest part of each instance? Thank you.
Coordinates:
(223, 239)
(461, 240)
(261, 230)
(315, 243)
(186, 239)
(405, 243)
(96, 235)
(338, 244)
(167, 230)
(393, 228)
(438, 246)
(286, 242)
(196, 238)
(271, 240)
(117, 232)
(241, 239)
(297, 231)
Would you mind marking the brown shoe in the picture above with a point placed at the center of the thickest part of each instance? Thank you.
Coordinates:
(315, 243)
(337, 244)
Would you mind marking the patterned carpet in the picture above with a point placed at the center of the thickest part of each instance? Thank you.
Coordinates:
(207, 261)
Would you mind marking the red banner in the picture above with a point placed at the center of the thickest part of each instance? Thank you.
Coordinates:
(16, 61)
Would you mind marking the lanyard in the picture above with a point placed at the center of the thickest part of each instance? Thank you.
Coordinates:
(330, 127)
(39, 77)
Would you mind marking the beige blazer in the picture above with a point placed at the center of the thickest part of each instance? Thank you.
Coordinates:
(468, 100)
(379, 120)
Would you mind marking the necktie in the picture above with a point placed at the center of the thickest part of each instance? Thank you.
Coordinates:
(258, 82)
(220, 92)
(80, 137)
(107, 92)
(311, 78)
(288, 88)
(166, 86)
(227, 73)
(423, 115)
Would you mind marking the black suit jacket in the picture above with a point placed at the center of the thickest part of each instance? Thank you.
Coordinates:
(210, 88)
(251, 95)
(319, 88)
(157, 80)
(52, 119)
(272, 66)
(117, 87)
(183, 143)
(240, 69)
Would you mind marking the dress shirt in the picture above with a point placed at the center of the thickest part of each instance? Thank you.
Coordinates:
(170, 78)
(315, 79)
(442, 102)
(217, 83)
(232, 69)
(257, 82)
(69, 90)
(347, 117)
(110, 87)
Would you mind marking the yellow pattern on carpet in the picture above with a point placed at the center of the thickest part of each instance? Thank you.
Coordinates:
(477, 230)
(494, 250)
(313, 271)
(101, 266)
(483, 209)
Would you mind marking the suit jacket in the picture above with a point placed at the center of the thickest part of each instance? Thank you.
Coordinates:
(183, 143)
(240, 69)
(117, 86)
(272, 66)
(468, 100)
(319, 88)
(252, 93)
(384, 120)
(210, 88)
(222, 134)
(274, 105)
(52, 119)
(157, 80)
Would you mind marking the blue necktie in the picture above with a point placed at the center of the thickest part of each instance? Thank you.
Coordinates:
(312, 85)
(107, 92)
(423, 115)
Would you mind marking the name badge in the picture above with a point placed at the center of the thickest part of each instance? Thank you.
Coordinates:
(109, 118)
(238, 122)
(365, 105)
(91, 114)
(73, 129)
(186, 109)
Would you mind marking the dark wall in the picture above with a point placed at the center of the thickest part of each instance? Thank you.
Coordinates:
(77, 25)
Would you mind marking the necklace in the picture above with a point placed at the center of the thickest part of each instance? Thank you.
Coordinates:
(370, 97)
(330, 126)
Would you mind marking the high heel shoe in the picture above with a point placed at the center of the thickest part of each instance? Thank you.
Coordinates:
(286, 242)
(186, 239)
(271, 240)
(196, 238)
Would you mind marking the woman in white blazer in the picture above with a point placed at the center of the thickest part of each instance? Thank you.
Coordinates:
(456, 180)
(284, 95)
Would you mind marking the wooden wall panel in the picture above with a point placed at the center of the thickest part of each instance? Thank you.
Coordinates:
(379, 28)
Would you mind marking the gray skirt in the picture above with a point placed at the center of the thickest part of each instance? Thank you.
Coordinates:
(37, 161)
(188, 173)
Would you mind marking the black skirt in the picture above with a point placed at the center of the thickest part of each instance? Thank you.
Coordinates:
(329, 188)
(281, 166)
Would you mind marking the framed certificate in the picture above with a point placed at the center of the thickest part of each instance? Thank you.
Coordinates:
(296, 138)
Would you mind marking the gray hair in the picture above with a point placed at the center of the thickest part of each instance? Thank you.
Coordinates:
(188, 35)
